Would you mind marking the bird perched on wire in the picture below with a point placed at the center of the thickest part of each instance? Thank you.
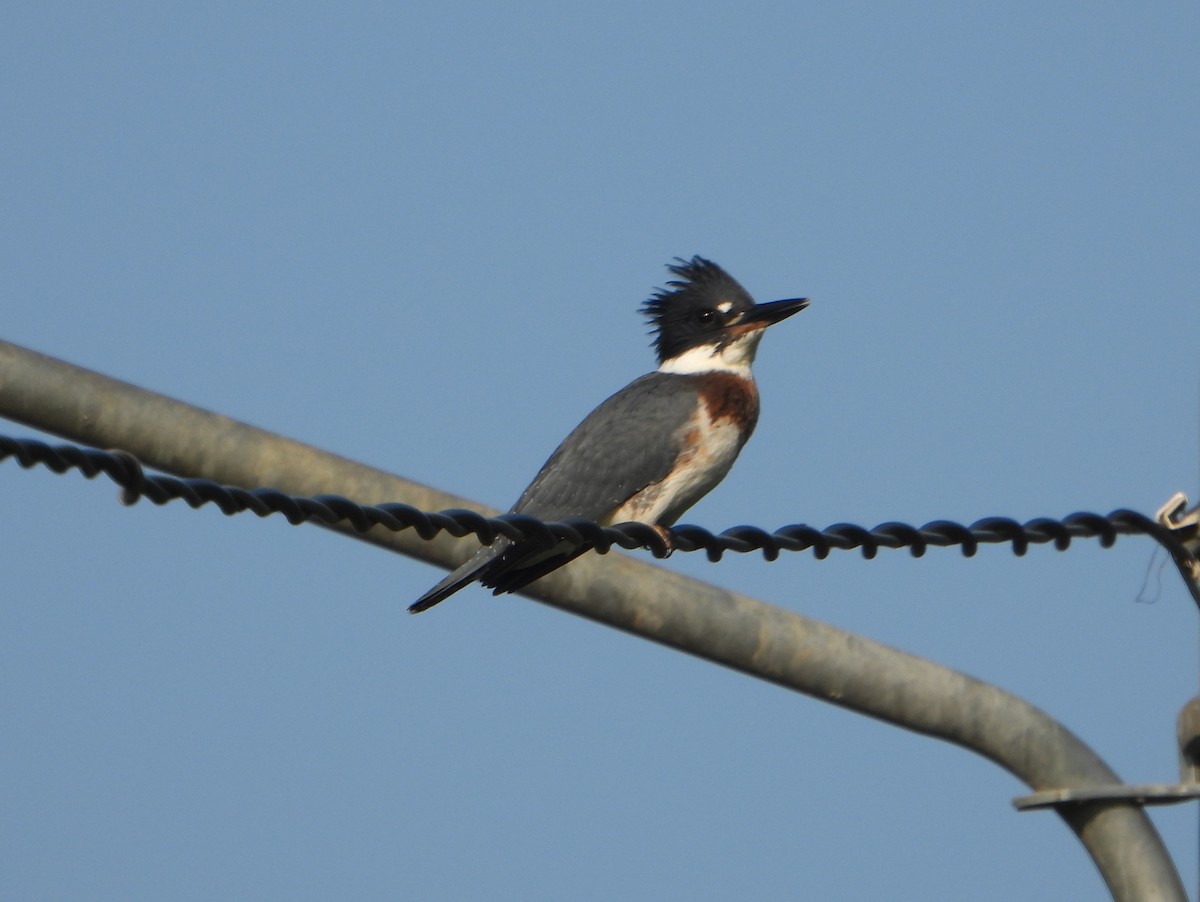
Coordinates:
(658, 445)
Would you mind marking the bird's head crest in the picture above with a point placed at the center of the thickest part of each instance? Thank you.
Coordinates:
(681, 313)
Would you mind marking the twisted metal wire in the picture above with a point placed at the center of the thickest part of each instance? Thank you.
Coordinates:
(127, 472)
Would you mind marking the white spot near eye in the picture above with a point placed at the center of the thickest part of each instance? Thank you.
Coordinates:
(725, 306)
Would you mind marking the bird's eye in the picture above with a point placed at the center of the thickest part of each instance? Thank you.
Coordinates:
(705, 317)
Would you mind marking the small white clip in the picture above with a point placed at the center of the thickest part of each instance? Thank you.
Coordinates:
(1185, 525)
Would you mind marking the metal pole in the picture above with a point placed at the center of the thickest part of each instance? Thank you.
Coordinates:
(712, 623)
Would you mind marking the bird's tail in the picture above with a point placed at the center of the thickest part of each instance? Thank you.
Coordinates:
(464, 575)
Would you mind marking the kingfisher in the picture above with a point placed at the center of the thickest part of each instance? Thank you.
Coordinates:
(658, 445)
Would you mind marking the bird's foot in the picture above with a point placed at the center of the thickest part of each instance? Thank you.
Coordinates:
(665, 534)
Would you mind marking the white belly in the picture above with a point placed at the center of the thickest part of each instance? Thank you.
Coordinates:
(711, 450)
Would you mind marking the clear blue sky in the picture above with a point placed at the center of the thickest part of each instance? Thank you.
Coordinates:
(417, 235)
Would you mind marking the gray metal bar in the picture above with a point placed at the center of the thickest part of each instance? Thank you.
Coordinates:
(720, 626)
(1144, 794)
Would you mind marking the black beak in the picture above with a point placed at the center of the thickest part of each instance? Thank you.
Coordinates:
(772, 312)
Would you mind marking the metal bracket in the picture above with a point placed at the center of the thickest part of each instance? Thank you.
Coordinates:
(1144, 794)
(1187, 728)
(1185, 525)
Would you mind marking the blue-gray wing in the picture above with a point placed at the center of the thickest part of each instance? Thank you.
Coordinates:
(630, 441)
